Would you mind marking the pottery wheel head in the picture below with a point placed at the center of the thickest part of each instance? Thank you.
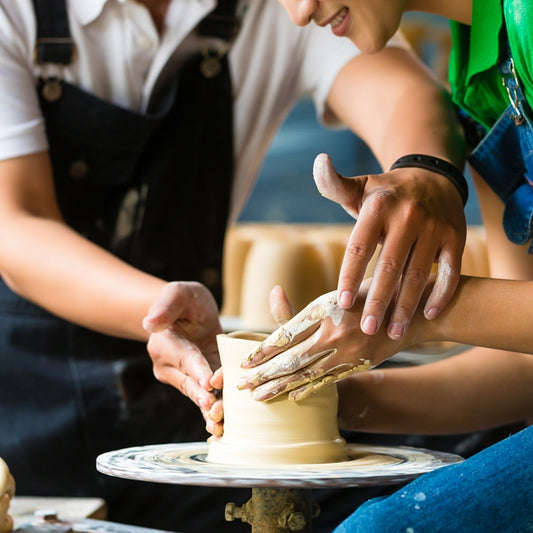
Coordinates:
(186, 464)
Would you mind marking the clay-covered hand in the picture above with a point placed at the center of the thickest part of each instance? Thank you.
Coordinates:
(320, 345)
(183, 324)
(417, 216)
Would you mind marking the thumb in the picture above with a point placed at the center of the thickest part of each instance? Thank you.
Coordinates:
(280, 307)
(347, 192)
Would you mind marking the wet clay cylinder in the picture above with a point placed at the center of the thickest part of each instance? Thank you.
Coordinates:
(279, 431)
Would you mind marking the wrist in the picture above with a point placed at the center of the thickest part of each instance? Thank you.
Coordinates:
(440, 166)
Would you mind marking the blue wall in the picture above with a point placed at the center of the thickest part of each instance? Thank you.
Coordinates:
(285, 190)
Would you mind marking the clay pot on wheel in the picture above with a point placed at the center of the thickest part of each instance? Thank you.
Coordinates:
(279, 431)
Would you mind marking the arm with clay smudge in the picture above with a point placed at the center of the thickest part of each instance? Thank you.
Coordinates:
(323, 343)
(319, 345)
(415, 215)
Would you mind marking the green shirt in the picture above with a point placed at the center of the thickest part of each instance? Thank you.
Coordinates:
(475, 81)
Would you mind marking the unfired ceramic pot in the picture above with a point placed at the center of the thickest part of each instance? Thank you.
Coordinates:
(299, 267)
(279, 431)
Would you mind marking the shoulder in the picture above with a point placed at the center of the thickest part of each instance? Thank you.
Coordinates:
(18, 27)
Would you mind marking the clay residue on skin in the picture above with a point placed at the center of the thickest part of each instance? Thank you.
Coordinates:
(324, 306)
(312, 387)
(364, 365)
(285, 363)
(444, 275)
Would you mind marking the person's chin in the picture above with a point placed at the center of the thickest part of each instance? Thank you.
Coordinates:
(368, 44)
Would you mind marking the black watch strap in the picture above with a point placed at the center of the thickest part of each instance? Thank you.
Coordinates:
(438, 165)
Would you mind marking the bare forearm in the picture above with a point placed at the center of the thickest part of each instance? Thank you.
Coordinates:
(484, 312)
(45, 261)
(48, 263)
(477, 389)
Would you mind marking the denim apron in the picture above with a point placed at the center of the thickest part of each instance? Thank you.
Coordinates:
(153, 189)
(504, 156)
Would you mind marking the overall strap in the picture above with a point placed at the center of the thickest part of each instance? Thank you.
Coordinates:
(509, 76)
(222, 22)
(53, 44)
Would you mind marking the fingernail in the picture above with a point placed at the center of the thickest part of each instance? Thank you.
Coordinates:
(346, 299)
(431, 313)
(242, 383)
(370, 325)
(396, 331)
(147, 324)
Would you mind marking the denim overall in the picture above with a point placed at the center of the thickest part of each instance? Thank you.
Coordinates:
(153, 189)
(504, 157)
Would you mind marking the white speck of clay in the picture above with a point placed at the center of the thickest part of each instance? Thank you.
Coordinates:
(363, 413)
(420, 496)
(409, 530)
(365, 365)
(443, 277)
(333, 310)
(324, 306)
(417, 507)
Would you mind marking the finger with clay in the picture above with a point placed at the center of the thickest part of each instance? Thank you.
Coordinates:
(291, 359)
(416, 216)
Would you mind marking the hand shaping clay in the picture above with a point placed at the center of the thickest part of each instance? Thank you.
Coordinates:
(7, 491)
(276, 432)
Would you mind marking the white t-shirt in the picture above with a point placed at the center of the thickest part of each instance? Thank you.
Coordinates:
(121, 58)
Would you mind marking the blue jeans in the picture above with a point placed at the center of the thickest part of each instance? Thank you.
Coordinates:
(491, 491)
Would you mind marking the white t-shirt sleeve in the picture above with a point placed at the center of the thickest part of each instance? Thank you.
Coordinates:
(22, 129)
(326, 56)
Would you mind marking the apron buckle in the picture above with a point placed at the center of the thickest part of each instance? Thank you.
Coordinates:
(52, 90)
(210, 65)
(512, 86)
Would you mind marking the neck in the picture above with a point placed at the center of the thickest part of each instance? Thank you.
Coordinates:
(158, 10)
(459, 10)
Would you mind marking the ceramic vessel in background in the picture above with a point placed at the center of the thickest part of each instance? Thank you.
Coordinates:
(300, 267)
(279, 431)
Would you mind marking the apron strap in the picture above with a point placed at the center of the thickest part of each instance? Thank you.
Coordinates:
(53, 44)
(222, 23)
(175, 194)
